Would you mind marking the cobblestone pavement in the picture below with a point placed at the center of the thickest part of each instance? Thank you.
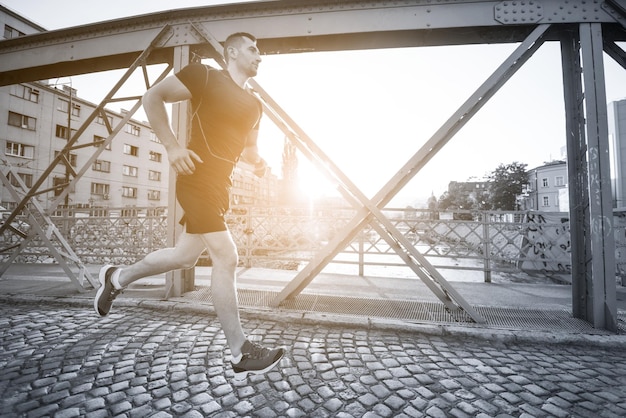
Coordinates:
(64, 361)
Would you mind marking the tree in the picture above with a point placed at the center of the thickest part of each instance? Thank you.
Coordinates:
(432, 203)
(507, 181)
(450, 200)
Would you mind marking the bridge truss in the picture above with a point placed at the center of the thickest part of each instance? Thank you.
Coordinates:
(584, 28)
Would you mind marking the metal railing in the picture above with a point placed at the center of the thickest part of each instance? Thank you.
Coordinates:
(288, 237)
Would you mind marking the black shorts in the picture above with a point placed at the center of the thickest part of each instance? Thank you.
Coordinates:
(204, 207)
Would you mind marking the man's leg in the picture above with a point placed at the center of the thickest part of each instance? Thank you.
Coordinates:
(248, 357)
(184, 255)
(114, 279)
(223, 286)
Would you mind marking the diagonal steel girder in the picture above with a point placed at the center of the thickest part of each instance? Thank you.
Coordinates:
(99, 110)
(29, 194)
(364, 216)
(46, 233)
(368, 210)
(351, 192)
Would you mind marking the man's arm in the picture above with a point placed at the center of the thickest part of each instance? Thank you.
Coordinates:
(250, 154)
(170, 90)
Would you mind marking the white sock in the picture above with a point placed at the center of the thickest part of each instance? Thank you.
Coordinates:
(115, 278)
(237, 359)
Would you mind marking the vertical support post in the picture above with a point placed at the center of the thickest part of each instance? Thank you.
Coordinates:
(179, 281)
(591, 217)
(602, 311)
(248, 232)
(486, 248)
(361, 254)
(577, 170)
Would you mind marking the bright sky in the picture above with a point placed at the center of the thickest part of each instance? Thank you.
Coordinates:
(370, 111)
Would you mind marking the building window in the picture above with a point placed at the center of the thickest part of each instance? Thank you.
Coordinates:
(101, 189)
(11, 32)
(59, 184)
(19, 150)
(155, 156)
(544, 182)
(129, 170)
(62, 132)
(129, 213)
(98, 140)
(25, 92)
(64, 105)
(22, 121)
(546, 201)
(100, 120)
(559, 181)
(154, 175)
(154, 195)
(132, 129)
(129, 192)
(27, 179)
(99, 212)
(131, 150)
(73, 158)
(154, 138)
(101, 165)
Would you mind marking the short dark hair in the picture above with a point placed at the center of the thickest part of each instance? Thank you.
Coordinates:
(234, 40)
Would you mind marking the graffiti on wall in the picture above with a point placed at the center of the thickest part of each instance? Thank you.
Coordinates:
(619, 226)
(546, 243)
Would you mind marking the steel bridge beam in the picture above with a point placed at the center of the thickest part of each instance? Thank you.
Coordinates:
(290, 26)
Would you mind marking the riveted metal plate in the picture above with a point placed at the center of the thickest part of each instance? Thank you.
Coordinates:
(575, 11)
(518, 12)
(617, 9)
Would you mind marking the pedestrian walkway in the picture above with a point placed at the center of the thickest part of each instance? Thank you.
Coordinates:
(64, 361)
(152, 357)
(540, 310)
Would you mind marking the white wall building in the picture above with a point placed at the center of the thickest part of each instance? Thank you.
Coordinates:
(37, 118)
(547, 188)
(35, 121)
(617, 144)
(14, 25)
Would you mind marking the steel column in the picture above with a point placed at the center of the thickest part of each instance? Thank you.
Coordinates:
(591, 215)
(179, 281)
(577, 171)
(600, 295)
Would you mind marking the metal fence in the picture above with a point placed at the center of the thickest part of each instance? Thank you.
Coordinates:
(288, 237)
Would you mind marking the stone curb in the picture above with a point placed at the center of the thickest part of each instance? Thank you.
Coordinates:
(335, 320)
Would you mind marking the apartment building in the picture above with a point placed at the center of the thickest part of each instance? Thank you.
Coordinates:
(15, 25)
(547, 188)
(38, 118)
(36, 121)
(250, 190)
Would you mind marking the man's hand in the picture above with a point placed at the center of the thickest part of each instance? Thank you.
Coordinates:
(182, 160)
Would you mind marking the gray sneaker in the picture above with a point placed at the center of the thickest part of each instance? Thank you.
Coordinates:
(106, 293)
(256, 359)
